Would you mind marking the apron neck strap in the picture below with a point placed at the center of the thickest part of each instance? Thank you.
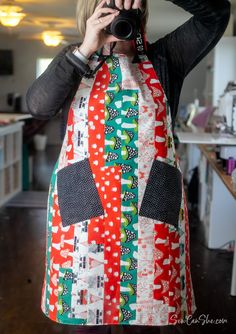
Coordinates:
(102, 58)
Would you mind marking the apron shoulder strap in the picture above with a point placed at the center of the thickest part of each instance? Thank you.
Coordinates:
(102, 59)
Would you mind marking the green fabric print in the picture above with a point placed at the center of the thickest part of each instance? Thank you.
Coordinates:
(121, 136)
(49, 235)
(65, 313)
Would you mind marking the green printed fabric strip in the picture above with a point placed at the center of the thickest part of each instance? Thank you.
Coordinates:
(49, 235)
(121, 136)
(64, 314)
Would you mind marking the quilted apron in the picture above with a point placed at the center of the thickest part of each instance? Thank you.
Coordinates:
(117, 220)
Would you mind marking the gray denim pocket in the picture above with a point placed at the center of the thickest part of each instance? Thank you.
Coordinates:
(78, 197)
(163, 194)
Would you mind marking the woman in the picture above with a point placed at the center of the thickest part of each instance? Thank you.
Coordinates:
(118, 233)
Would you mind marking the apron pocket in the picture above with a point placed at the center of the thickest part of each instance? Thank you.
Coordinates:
(78, 197)
(163, 194)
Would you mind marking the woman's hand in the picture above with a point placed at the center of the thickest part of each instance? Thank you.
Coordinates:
(127, 4)
(95, 36)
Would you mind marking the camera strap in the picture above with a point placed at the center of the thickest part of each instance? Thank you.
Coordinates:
(140, 44)
(102, 58)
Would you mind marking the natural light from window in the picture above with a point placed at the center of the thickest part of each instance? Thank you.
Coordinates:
(41, 65)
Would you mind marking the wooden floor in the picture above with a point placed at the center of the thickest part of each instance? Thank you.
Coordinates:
(22, 251)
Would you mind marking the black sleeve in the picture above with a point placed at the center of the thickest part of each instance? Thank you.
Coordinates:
(187, 45)
(47, 94)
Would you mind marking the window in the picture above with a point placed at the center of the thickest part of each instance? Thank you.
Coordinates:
(41, 65)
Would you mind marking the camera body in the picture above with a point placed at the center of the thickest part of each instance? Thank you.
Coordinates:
(125, 25)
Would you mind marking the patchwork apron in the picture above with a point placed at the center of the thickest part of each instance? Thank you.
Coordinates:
(117, 219)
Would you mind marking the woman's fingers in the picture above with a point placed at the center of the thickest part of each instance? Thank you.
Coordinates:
(137, 4)
(100, 5)
(101, 11)
(119, 3)
(127, 4)
(105, 21)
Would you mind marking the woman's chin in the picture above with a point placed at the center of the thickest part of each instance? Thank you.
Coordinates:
(124, 46)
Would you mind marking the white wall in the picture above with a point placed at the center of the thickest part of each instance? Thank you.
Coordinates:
(195, 81)
(25, 54)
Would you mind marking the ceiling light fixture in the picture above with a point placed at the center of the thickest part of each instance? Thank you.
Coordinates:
(52, 37)
(10, 16)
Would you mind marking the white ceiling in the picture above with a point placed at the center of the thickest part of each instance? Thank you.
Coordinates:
(60, 14)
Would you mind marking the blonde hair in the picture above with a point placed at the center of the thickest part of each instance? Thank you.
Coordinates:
(85, 9)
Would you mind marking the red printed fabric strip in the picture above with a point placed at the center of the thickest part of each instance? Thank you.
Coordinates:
(62, 243)
(96, 140)
(112, 201)
(161, 136)
(188, 276)
(161, 263)
(174, 285)
(106, 229)
(167, 270)
(167, 287)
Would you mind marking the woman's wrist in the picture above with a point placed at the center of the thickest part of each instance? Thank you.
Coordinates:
(85, 51)
(79, 55)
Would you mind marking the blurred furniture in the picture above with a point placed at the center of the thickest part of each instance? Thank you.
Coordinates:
(191, 153)
(31, 128)
(217, 199)
(10, 160)
(201, 137)
(217, 202)
(10, 117)
(217, 209)
(217, 205)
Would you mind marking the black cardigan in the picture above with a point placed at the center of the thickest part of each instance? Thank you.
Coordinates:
(173, 57)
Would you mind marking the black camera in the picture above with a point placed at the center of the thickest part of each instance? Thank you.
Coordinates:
(125, 25)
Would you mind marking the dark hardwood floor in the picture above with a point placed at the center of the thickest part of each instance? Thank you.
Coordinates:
(22, 251)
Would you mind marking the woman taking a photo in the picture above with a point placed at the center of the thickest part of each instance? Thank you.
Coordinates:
(117, 220)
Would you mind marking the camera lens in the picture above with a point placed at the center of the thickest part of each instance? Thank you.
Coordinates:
(125, 25)
(122, 28)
